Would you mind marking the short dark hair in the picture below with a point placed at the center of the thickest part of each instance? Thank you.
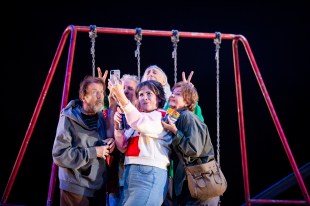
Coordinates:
(156, 88)
(87, 81)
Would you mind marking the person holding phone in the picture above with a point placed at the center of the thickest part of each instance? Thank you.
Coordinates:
(146, 144)
(116, 183)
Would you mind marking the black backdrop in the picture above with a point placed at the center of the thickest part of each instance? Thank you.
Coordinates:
(277, 34)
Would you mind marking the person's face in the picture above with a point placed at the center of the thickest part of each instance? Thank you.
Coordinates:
(176, 100)
(147, 99)
(129, 90)
(156, 75)
(93, 100)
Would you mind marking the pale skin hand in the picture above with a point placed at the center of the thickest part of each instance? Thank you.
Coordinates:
(112, 101)
(111, 143)
(117, 89)
(104, 151)
(117, 115)
(189, 77)
(170, 126)
(104, 76)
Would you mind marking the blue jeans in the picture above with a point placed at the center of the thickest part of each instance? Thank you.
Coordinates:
(144, 185)
(114, 199)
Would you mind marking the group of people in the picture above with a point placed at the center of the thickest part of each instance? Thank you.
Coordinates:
(101, 163)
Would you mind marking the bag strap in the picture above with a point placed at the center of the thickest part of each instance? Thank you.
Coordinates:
(188, 159)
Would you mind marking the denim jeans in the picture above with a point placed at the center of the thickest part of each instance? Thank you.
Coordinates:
(113, 199)
(144, 185)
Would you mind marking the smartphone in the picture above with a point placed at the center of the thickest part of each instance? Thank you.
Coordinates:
(115, 73)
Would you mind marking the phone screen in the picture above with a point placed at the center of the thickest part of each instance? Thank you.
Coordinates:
(115, 73)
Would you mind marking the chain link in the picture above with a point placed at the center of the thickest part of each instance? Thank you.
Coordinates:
(175, 39)
(138, 38)
(217, 42)
(93, 35)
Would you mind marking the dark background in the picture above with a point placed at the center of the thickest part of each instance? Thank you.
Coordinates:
(278, 34)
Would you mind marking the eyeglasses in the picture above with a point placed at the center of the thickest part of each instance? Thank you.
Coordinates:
(95, 93)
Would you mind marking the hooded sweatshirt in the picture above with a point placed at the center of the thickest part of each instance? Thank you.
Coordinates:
(80, 171)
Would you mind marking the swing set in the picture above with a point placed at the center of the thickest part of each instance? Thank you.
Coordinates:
(175, 36)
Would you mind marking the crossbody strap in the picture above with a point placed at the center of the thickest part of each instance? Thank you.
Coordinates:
(187, 159)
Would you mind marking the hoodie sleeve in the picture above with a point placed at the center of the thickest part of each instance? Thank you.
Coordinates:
(64, 153)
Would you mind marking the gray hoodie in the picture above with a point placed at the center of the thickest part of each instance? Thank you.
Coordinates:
(80, 171)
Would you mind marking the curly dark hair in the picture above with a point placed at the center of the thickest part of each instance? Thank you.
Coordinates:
(156, 88)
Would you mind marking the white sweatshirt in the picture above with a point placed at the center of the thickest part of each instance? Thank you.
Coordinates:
(147, 142)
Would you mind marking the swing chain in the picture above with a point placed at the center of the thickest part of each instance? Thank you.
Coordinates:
(175, 39)
(92, 36)
(217, 42)
(138, 38)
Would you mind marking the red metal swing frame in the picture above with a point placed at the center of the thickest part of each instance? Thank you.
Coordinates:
(73, 30)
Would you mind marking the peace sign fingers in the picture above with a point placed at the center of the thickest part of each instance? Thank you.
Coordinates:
(189, 77)
(104, 76)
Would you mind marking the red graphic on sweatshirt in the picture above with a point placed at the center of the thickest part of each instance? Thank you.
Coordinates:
(133, 147)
